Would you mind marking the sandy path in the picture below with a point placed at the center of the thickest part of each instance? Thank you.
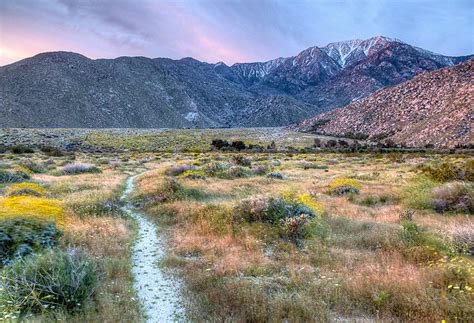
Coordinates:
(158, 292)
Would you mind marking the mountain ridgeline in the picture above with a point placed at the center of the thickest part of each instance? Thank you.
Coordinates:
(434, 108)
(64, 89)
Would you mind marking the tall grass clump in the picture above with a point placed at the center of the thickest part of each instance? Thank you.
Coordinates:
(51, 280)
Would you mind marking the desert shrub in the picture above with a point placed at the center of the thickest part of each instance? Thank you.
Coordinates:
(16, 176)
(32, 166)
(20, 237)
(241, 160)
(216, 169)
(293, 227)
(455, 196)
(50, 280)
(25, 189)
(96, 204)
(31, 207)
(219, 143)
(237, 172)
(449, 171)
(421, 244)
(219, 218)
(238, 145)
(417, 194)
(342, 186)
(275, 175)
(309, 165)
(172, 190)
(270, 209)
(260, 169)
(51, 151)
(77, 168)
(179, 169)
(194, 174)
(21, 149)
(406, 215)
(463, 240)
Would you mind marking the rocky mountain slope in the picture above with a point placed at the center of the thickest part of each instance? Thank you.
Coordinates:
(433, 108)
(62, 89)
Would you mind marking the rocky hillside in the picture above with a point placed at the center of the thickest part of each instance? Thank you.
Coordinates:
(63, 89)
(433, 108)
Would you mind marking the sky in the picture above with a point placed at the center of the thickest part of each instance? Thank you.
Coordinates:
(226, 30)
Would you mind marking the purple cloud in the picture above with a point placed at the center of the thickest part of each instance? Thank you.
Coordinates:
(229, 31)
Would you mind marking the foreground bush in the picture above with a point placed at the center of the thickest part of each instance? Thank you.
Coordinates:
(21, 237)
(31, 207)
(51, 280)
(456, 197)
(342, 186)
(74, 169)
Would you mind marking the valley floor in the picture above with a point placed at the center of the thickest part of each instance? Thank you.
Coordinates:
(249, 236)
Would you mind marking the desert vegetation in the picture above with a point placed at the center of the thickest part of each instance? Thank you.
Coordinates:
(253, 234)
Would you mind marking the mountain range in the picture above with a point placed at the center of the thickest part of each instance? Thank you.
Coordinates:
(434, 108)
(64, 89)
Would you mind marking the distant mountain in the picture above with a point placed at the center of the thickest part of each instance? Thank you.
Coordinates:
(433, 108)
(63, 89)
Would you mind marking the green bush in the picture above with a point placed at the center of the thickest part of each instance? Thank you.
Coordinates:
(33, 166)
(51, 151)
(413, 235)
(21, 150)
(17, 176)
(51, 280)
(21, 237)
(417, 194)
(270, 209)
(241, 160)
(237, 172)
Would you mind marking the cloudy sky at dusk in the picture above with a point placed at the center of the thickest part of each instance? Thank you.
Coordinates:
(225, 30)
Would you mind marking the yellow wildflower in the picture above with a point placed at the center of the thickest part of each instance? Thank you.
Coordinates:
(25, 189)
(32, 207)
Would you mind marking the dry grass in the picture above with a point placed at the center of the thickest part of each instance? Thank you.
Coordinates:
(360, 269)
(353, 264)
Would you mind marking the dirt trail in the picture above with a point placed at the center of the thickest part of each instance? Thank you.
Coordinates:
(158, 292)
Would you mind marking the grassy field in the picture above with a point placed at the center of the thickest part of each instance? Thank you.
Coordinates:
(155, 139)
(253, 236)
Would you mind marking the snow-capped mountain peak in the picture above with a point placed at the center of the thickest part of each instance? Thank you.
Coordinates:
(351, 51)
